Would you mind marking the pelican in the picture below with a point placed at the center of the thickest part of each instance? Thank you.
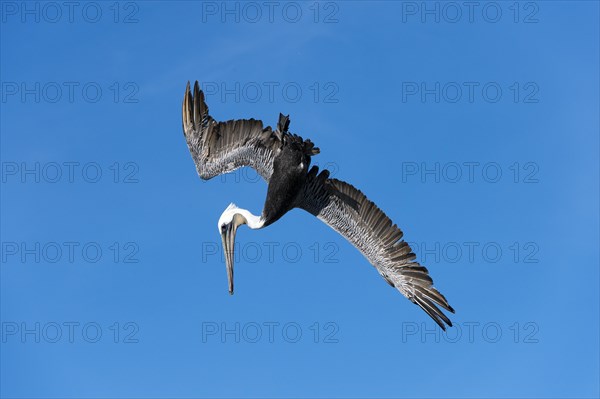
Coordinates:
(283, 159)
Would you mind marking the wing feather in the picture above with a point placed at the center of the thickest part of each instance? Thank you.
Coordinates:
(222, 147)
(348, 211)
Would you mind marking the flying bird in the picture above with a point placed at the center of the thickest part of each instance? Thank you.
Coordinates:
(283, 160)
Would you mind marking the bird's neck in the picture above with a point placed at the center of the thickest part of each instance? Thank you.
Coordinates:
(253, 221)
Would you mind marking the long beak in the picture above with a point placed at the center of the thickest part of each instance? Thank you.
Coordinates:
(228, 239)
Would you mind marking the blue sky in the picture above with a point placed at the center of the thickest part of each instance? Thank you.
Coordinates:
(476, 130)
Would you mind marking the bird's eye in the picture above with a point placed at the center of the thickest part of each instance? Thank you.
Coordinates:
(223, 228)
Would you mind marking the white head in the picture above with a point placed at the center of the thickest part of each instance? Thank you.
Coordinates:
(227, 215)
(231, 218)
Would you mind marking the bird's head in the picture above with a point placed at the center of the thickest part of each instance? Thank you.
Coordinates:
(230, 220)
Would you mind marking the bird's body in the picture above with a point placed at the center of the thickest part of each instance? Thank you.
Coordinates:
(283, 160)
(290, 169)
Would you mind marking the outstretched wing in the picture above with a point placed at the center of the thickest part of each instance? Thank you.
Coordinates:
(349, 212)
(222, 147)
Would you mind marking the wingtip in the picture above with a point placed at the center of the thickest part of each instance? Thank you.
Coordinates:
(185, 107)
(429, 307)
